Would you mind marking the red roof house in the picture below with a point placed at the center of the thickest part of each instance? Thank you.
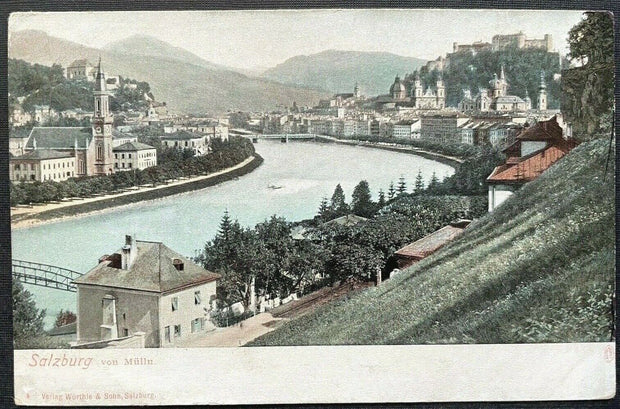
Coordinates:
(534, 151)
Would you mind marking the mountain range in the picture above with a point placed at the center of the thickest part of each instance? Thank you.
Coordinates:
(191, 84)
(338, 71)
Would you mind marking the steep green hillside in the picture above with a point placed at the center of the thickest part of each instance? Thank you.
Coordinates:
(538, 269)
(337, 71)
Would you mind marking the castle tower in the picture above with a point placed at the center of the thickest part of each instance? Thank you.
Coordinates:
(102, 126)
(542, 93)
(356, 91)
(417, 86)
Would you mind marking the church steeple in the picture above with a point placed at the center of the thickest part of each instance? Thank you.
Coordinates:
(102, 126)
(542, 93)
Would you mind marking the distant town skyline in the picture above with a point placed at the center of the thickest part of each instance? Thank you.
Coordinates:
(265, 38)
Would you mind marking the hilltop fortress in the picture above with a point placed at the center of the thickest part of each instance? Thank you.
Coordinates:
(498, 42)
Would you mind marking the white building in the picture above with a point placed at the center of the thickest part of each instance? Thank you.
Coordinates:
(42, 165)
(187, 140)
(134, 155)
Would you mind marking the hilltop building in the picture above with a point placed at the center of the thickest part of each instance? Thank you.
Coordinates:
(81, 69)
(504, 41)
(143, 290)
(534, 151)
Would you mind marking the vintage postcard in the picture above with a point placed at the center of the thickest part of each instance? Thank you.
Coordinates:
(311, 206)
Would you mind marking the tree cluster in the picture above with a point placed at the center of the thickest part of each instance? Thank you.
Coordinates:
(588, 90)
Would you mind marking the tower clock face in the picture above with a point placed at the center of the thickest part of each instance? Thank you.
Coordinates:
(108, 128)
(98, 129)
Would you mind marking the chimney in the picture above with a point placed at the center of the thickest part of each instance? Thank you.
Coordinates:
(128, 253)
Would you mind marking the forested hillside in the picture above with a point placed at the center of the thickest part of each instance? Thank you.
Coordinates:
(522, 68)
(42, 85)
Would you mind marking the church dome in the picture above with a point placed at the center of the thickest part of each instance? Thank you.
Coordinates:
(397, 86)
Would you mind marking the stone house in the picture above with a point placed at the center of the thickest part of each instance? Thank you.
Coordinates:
(144, 289)
(134, 155)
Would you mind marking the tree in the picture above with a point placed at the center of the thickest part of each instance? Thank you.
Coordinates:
(419, 183)
(324, 213)
(391, 191)
(434, 183)
(338, 204)
(64, 318)
(28, 331)
(361, 201)
(588, 90)
(381, 201)
(402, 185)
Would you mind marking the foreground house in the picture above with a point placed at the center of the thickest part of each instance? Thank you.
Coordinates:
(427, 245)
(534, 151)
(147, 290)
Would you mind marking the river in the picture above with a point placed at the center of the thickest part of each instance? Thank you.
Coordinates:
(306, 172)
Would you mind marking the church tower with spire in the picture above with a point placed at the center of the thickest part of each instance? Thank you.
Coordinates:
(102, 126)
(542, 93)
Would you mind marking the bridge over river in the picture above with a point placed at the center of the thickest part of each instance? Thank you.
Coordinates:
(44, 275)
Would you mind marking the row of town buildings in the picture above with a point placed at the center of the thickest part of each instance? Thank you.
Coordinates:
(58, 153)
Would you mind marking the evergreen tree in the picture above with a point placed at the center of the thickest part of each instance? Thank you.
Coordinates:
(434, 183)
(419, 183)
(324, 210)
(381, 202)
(402, 185)
(391, 191)
(338, 203)
(361, 201)
(27, 319)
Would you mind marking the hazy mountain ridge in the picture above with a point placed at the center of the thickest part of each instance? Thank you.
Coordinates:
(186, 82)
(338, 71)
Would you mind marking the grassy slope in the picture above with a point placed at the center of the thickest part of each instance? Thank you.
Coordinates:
(538, 269)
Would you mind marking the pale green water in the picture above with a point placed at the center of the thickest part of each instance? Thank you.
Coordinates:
(307, 172)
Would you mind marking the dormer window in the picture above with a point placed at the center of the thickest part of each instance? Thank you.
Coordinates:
(178, 264)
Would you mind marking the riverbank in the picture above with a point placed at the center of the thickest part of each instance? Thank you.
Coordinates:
(395, 147)
(24, 217)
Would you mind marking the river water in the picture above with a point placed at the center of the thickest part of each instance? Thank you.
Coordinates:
(306, 172)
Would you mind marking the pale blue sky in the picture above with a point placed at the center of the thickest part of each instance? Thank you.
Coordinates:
(266, 38)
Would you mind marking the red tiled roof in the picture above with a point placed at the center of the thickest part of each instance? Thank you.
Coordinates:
(542, 131)
(529, 168)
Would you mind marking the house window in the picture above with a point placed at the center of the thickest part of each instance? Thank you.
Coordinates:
(17, 166)
(125, 332)
(99, 152)
(177, 330)
(32, 177)
(167, 334)
(129, 165)
(197, 299)
(116, 156)
(129, 155)
(175, 303)
(197, 325)
(122, 156)
(32, 166)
